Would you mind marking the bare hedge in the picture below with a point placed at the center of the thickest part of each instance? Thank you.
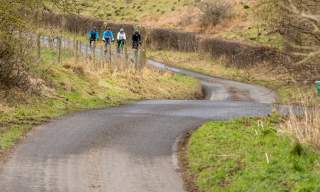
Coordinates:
(237, 54)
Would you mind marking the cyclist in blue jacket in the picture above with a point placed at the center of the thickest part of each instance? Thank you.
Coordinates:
(108, 37)
(93, 36)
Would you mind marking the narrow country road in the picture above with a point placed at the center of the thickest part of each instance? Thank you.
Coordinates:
(124, 149)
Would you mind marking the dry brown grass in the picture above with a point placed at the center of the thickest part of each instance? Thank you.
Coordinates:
(4, 108)
(304, 125)
(138, 80)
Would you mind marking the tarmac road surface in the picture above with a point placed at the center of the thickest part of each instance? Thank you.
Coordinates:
(127, 148)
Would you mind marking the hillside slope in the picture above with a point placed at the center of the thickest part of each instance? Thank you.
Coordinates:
(240, 24)
(132, 10)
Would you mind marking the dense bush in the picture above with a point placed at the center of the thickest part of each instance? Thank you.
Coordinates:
(214, 12)
(14, 57)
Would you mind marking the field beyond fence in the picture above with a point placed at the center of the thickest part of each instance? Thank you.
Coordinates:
(236, 53)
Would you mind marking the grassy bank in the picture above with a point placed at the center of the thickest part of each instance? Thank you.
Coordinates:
(250, 155)
(264, 75)
(69, 87)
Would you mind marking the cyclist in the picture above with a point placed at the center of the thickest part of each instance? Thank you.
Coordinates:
(136, 40)
(93, 36)
(108, 38)
(121, 38)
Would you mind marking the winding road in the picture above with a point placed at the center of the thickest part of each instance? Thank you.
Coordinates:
(130, 148)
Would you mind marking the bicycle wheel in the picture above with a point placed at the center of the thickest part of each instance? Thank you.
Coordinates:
(120, 46)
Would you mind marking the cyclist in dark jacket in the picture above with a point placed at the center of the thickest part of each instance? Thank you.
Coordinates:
(136, 40)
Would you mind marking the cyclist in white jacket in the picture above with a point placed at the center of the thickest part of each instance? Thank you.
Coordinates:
(121, 38)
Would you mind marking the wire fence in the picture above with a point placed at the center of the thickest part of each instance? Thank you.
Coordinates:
(101, 56)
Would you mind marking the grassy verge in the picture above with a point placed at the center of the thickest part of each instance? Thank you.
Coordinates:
(71, 87)
(250, 155)
(261, 75)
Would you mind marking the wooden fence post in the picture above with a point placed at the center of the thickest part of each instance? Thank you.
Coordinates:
(136, 60)
(101, 56)
(38, 46)
(59, 44)
(110, 54)
(76, 51)
(142, 60)
(125, 53)
(94, 52)
(87, 51)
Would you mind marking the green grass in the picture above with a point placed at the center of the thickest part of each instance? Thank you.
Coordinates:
(8, 139)
(232, 156)
(69, 91)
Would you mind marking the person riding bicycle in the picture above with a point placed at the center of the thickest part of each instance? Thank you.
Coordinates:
(108, 37)
(136, 40)
(121, 38)
(93, 36)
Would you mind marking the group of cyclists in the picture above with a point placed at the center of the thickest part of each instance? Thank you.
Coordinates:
(108, 38)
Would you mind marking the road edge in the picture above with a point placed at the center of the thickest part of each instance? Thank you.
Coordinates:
(181, 163)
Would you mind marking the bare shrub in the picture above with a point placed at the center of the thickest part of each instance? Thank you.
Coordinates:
(241, 55)
(304, 125)
(14, 57)
(169, 39)
(214, 12)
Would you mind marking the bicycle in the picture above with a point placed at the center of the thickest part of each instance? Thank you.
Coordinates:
(121, 46)
(107, 45)
(92, 44)
(136, 45)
